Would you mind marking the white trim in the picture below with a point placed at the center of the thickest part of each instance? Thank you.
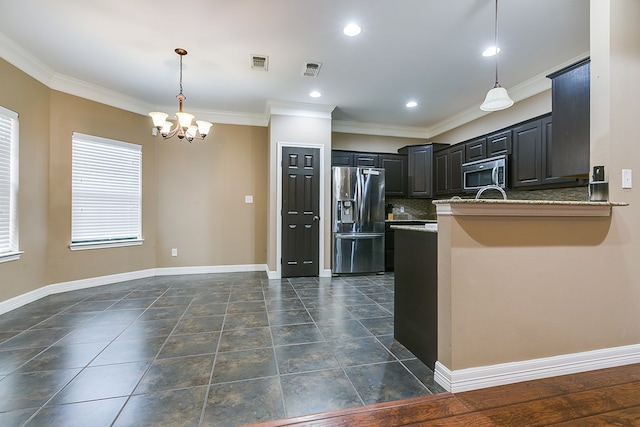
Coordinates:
(74, 285)
(326, 272)
(172, 271)
(10, 256)
(322, 221)
(274, 275)
(527, 370)
(341, 126)
(83, 246)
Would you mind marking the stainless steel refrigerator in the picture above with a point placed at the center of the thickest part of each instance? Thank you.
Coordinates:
(358, 214)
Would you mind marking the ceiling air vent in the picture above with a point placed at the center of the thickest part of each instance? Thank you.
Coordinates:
(311, 69)
(260, 62)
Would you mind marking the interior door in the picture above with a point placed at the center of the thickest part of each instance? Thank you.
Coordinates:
(300, 211)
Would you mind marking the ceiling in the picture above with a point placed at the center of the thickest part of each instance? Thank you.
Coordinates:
(122, 53)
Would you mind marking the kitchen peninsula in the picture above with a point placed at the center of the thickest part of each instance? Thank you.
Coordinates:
(511, 294)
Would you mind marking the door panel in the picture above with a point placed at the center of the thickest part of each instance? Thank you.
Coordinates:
(300, 211)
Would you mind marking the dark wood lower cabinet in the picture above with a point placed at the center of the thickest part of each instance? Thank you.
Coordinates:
(416, 293)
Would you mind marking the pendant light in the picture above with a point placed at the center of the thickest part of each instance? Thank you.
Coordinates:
(184, 127)
(497, 98)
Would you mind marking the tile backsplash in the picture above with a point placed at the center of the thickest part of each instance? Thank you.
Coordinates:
(424, 209)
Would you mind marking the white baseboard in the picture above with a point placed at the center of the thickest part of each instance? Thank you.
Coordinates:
(514, 372)
(56, 288)
(273, 275)
(171, 271)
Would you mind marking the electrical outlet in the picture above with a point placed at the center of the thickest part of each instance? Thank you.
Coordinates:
(174, 251)
(248, 199)
(626, 178)
(401, 209)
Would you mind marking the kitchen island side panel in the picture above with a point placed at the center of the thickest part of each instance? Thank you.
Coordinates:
(416, 293)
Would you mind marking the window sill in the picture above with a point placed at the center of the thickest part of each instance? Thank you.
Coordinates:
(10, 256)
(105, 244)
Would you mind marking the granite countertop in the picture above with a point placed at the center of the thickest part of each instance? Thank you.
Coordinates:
(400, 221)
(430, 227)
(529, 202)
(499, 207)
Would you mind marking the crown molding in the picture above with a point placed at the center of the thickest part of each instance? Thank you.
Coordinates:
(29, 64)
(299, 109)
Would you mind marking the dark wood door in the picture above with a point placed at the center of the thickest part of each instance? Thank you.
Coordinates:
(420, 171)
(395, 174)
(527, 155)
(441, 172)
(341, 158)
(476, 149)
(499, 143)
(300, 211)
(456, 159)
(570, 95)
(366, 160)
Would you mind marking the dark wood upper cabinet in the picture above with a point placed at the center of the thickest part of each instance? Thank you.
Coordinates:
(365, 160)
(476, 149)
(548, 178)
(420, 166)
(395, 167)
(448, 170)
(499, 143)
(341, 158)
(570, 98)
(526, 162)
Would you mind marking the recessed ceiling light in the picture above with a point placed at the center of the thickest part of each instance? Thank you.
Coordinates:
(315, 94)
(411, 104)
(490, 51)
(352, 30)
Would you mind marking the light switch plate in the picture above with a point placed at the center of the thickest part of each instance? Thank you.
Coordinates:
(627, 180)
(248, 199)
(174, 251)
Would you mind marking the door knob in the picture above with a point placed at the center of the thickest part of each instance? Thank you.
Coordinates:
(316, 218)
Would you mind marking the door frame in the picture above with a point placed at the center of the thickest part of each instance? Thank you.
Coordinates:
(322, 272)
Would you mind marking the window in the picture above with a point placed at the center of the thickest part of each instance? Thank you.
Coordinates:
(106, 193)
(8, 185)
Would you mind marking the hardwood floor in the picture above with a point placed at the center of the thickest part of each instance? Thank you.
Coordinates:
(606, 397)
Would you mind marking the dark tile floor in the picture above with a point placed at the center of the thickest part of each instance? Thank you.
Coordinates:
(204, 350)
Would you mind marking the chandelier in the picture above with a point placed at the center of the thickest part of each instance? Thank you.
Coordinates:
(497, 98)
(183, 127)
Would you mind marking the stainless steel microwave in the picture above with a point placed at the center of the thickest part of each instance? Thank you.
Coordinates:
(491, 171)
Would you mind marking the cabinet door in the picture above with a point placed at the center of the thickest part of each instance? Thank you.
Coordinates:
(570, 94)
(499, 143)
(547, 157)
(420, 170)
(365, 160)
(441, 172)
(456, 159)
(476, 149)
(395, 166)
(527, 155)
(341, 158)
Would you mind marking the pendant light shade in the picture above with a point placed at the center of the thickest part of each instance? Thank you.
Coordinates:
(497, 98)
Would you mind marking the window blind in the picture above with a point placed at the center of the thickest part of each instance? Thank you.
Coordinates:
(106, 190)
(8, 181)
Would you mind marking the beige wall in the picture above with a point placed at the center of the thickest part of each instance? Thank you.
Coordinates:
(298, 130)
(30, 100)
(72, 114)
(525, 288)
(526, 109)
(371, 143)
(201, 189)
(193, 194)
